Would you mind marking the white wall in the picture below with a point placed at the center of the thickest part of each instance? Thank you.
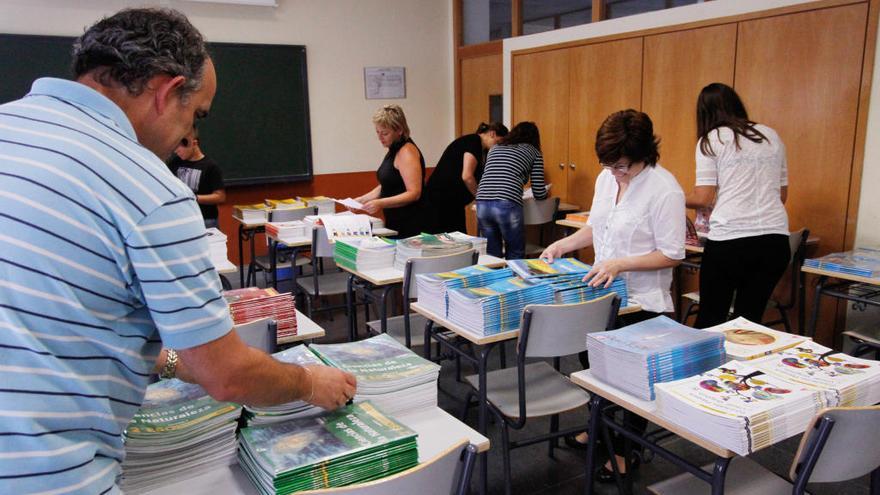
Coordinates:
(341, 38)
(868, 226)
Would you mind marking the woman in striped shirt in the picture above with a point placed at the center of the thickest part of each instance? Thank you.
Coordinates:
(512, 163)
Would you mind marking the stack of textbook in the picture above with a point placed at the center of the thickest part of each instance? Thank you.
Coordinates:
(863, 262)
(738, 406)
(427, 246)
(538, 269)
(255, 213)
(744, 340)
(325, 205)
(294, 229)
(217, 246)
(285, 204)
(178, 433)
(388, 374)
(353, 444)
(565, 275)
(299, 355)
(637, 357)
(479, 243)
(253, 303)
(570, 290)
(496, 307)
(845, 380)
(433, 287)
(361, 254)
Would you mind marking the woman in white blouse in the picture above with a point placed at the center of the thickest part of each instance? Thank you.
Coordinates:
(741, 169)
(636, 224)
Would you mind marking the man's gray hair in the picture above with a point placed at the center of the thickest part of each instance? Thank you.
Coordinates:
(134, 45)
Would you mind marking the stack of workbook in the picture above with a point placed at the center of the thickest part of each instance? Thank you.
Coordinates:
(325, 205)
(571, 289)
(636, 357)
(346, 226)
(744, 340)
(285, 204)
(845, 380)
(863, 262)
(294, 229)
(253, 303)
(178, 433)
(389, 375)
(255, 213)
(217, 246)
(739, 407)
(496, 307)
(428, 246)
(353, 444)
(361, 254)
(534, 269)
(433, 287)
(479, 243)
(253, 415)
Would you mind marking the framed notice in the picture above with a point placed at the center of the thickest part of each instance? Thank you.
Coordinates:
(384, 82)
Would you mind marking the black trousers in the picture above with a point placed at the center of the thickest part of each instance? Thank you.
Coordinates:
(637, 423)
(747, 269)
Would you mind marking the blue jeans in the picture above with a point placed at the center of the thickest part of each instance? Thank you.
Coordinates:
(500, 221)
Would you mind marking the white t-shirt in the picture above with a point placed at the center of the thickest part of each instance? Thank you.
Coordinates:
(649, 217)
(748, 181)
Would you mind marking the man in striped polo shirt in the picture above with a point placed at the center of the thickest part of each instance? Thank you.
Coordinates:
(103, 259)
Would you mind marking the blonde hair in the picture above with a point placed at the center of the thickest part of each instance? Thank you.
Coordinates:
(392, 117)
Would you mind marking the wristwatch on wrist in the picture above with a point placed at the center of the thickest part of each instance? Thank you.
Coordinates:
(170, 368)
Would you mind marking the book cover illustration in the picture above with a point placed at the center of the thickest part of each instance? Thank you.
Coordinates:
(539, 268)
(175, 405)
(745, 340)
(656, 335)
(377, 359)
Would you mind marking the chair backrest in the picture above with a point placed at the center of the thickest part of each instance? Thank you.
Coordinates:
(797, 243)
(553, 330)
(261, 334)
(539, 211)
(448, 473)
(437, 264)
(291, 215)
(321, 247)
(842, 443)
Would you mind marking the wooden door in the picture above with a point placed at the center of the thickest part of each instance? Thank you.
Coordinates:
(540, 88)
(480, 78)
(672, 82)
(800, 74)
(605, 78)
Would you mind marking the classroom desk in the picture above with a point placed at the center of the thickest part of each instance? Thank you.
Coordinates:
(222, 268)
(247, 231)
(487, 343)
(387, 279)
(306, 329)
(863, 291)
(604, 395)
(437, 432)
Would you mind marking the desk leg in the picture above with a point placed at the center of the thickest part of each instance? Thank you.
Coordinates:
(349, 305)
(252, 264)
(718, 476)
(596, 405)
(482, 366)
(817, 300)
(429, 330)
(875, 482)
(273, 263)
(383, 311)
(241, 254)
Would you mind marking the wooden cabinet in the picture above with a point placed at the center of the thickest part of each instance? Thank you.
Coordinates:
(480, 78)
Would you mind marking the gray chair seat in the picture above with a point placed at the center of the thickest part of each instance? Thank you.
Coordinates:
(329, 284)
(397, 329)
(869, 334)
(548, 392)
(533, 249)
(744, 477)
(263, 262)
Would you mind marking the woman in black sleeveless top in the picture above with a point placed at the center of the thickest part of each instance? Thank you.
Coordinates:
(453, 183)
(401, 175)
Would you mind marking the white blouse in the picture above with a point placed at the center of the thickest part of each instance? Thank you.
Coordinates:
(649, 217)
(748, 182)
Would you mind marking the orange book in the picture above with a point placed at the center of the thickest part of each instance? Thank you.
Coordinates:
(580, 217)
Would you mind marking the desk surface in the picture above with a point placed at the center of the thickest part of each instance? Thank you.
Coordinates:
(437, 432)
(571, 224)
(305, 329)
(567, 207)
(249, 225)
(645, 409)
(391, 275)
(225, 267)
(487, 339)
(841, 276)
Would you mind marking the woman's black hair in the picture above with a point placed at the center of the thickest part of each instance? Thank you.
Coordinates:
(499, 128)
(719, 106)
(524, 132)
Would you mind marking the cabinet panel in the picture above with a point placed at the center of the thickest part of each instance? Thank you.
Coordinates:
(672, 83)
(480, 77)
(605, 78)
(540, 88)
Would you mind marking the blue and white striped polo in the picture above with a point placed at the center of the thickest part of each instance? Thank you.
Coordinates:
(103, 258)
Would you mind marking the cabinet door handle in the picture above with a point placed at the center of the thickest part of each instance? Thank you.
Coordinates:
(561, 166)
(571, 165)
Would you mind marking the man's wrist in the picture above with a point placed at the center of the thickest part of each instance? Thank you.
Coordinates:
(169, 370)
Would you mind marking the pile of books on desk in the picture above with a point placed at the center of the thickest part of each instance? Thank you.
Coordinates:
(178, 432)
(637, 357)
(738, 406)
(863, 262)
(285, 204)
(434, 287)
(579, 217)
(479, 243)
(745, 340)
(346, 226)
(254, 303)
(294, 229)
(255, 213)
(535, 269)
(565, 275)
(361, 254)
(353, 444)
(392, 377)
(570, 290)
(496, 307)
(325, 205)
(845, 380)
(426, 246)
(217, 247)
(254, 416)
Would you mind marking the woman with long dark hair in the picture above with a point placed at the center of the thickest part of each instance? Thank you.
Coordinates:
(742, 174)
(511, 164)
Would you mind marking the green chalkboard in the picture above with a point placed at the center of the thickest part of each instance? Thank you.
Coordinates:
(258, 127)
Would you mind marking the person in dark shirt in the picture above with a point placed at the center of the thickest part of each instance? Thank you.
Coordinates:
(201, 174)
(453, 183)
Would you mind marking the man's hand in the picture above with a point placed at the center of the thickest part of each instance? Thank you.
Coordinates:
(604, 272)
(330, 387)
